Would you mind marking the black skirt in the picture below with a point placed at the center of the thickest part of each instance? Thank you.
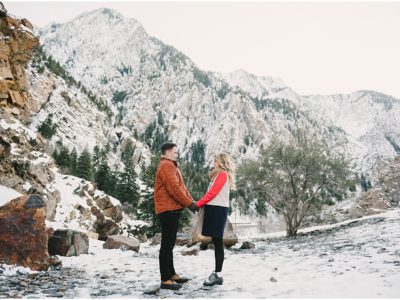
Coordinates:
(214, 220)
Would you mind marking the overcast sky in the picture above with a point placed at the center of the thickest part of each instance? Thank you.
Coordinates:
(315, 47)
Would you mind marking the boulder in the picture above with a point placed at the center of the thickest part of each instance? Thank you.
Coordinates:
(183, 239)
(103, 202)
(92, 235)
(17, 98)
(114, 212)
(247, 245)
(67, 242)
(106, 227)
(121, 242)
(156, 240)
(192, 251)
(41, 173)
(230, 238)
(23, 234)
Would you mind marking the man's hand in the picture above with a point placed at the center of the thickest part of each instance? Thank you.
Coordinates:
(193, 207)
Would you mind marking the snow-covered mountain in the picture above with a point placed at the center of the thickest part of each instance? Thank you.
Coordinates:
(82, 123)
(140, 78)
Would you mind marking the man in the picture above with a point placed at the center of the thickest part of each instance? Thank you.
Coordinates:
(170, 197)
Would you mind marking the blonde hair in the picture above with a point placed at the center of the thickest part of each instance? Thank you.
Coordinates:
(225, 163)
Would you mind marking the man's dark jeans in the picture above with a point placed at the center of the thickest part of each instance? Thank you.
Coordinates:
(169, 227)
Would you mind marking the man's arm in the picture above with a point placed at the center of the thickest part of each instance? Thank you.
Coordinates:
(168, 173)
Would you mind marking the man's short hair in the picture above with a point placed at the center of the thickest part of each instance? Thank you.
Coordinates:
(167, 146)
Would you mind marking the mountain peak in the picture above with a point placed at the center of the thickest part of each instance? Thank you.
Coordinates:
(107, 14)
(111, 13)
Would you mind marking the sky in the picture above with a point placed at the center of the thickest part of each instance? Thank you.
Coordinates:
(314, 47)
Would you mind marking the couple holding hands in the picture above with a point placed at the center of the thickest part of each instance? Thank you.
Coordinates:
(171, 197)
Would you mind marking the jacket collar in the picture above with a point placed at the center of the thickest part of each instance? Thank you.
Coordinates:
(174, 162)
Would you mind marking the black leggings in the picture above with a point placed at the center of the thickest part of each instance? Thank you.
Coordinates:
(219, 253)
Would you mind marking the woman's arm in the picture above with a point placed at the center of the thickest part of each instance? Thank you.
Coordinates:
(219, 182)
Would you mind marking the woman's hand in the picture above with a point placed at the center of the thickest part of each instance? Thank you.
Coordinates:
(193, 207)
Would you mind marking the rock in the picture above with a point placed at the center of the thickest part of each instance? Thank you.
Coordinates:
(156, 240)
(92, 235)
(55, 261)
(103, 202)
(106, 227)
(89, 202)
(97, 212)
(67, 242)
(272, 279)
(72, 215)
(230, 238)
(121, 242)
(114, 213)
(52, 200)
(203, 246)
(183, 239)
(5, 147)
(84, 211)
(40, 172)
(18, 99)
(248, 245)
(193, 251)
(15, 52)
(152, 290)
(23, 234)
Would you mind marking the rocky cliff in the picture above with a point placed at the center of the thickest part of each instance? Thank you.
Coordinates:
(17, 45)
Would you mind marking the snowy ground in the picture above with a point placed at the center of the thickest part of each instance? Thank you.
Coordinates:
(355, 258)
(350, 260)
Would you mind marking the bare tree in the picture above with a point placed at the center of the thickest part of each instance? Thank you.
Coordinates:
(296, 175)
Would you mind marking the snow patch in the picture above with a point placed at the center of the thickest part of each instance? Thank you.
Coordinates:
(7, 194)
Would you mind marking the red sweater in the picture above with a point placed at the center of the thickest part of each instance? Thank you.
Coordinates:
(219, 182)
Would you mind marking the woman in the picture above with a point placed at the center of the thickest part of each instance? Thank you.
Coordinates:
(216, 204)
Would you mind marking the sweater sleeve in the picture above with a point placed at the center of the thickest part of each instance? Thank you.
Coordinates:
(219, 182)
(171, 179)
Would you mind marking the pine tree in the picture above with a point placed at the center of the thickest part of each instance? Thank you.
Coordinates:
(105, 179)
(102, 175)
(96, 158)
(73, 162)
(84, 167)
(146, 211)
(63, 157)
(126, 189)
(127, 154)
(48, 129)
(364, 184)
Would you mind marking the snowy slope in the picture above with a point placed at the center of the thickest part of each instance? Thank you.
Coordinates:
(7, 194)
(80, 123)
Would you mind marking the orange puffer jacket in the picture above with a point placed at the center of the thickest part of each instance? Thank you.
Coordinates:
(170, 192)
